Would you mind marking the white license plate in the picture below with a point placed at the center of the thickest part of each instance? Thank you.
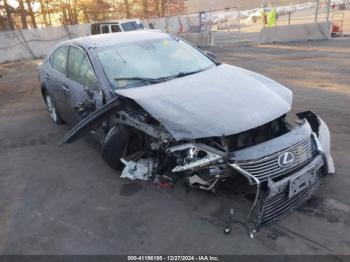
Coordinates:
(299, 183)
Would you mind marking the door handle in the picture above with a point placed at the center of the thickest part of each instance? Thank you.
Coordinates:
(47, 76)
(66, 90)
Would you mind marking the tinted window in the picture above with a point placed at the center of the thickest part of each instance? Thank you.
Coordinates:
(59, 58)
(104, 29)
(80, 69)
(115, 28)
(134, 25)
(95, 29)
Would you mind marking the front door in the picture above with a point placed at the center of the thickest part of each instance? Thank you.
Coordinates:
(82, 94)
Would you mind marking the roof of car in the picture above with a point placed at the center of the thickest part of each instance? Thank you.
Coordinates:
(117, 21)
(103, 40)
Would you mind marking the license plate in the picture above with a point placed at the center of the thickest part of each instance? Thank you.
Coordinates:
(302, 181)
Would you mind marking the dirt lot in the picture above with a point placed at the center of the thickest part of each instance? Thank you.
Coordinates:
(67, 201)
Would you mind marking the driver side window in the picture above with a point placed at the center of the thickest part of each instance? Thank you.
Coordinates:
(80, 70)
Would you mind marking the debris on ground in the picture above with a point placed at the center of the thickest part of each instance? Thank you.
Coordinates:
(140, 169)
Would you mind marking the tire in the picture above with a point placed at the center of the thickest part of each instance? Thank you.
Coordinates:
(55, 116)
(114, 146)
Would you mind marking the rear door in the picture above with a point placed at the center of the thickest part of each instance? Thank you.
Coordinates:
(83, 94)
(55, 77)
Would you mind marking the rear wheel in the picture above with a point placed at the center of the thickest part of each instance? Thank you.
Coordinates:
(53, 111)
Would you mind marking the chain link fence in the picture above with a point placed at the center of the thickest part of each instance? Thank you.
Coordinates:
(221, 27)
(245, 23)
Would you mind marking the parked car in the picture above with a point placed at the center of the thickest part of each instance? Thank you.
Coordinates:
(117, 26)
(164, 110)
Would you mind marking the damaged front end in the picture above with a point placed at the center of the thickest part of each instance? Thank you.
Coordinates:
(284, 163)
(286, 170)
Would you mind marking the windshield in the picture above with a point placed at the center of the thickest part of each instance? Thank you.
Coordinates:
(146, 62)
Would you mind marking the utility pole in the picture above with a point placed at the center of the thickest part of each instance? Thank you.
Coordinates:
(316, 13)
(328, 9)
(239, 16)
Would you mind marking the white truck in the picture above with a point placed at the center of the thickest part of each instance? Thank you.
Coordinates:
(117, 26)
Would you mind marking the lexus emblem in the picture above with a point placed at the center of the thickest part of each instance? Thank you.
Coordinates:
(286, 159)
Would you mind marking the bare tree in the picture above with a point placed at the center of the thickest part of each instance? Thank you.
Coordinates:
(31, 13)
(157, 8)
(63, 8)
(127, 8)
(48, 11)
(71, 12)
(43, 12)
(75, 12)
(8, 15)
(163, 4)
(145, 8)
(23, 14)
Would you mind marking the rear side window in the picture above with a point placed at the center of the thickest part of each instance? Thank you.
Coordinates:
(104, 29)
(115, 28)
(59, 58)
(80, 69)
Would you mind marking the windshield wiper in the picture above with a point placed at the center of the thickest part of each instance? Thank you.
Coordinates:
(183, 74)
(160, 79)
(143, 79)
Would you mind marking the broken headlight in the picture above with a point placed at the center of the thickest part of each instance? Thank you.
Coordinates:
(195, 156)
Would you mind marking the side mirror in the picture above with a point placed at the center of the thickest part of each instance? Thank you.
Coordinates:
(210, 55)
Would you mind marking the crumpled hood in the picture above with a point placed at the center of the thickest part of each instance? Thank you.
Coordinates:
(223, 100)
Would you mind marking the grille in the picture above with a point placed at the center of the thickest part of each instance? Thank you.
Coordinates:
(280, 205)
(267, 167)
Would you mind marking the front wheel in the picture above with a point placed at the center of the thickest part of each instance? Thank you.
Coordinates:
(121, 142)
(53, 111)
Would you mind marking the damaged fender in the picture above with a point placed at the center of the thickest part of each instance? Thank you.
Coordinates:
(325, 140)
(322, 137)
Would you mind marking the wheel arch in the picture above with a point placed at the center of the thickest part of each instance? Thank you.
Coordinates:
(43, 90)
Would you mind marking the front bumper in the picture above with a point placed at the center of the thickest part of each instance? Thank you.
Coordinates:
(278, 202)
(279, 191)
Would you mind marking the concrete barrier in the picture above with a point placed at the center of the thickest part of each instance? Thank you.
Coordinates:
(36, 43)
(296, 33)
